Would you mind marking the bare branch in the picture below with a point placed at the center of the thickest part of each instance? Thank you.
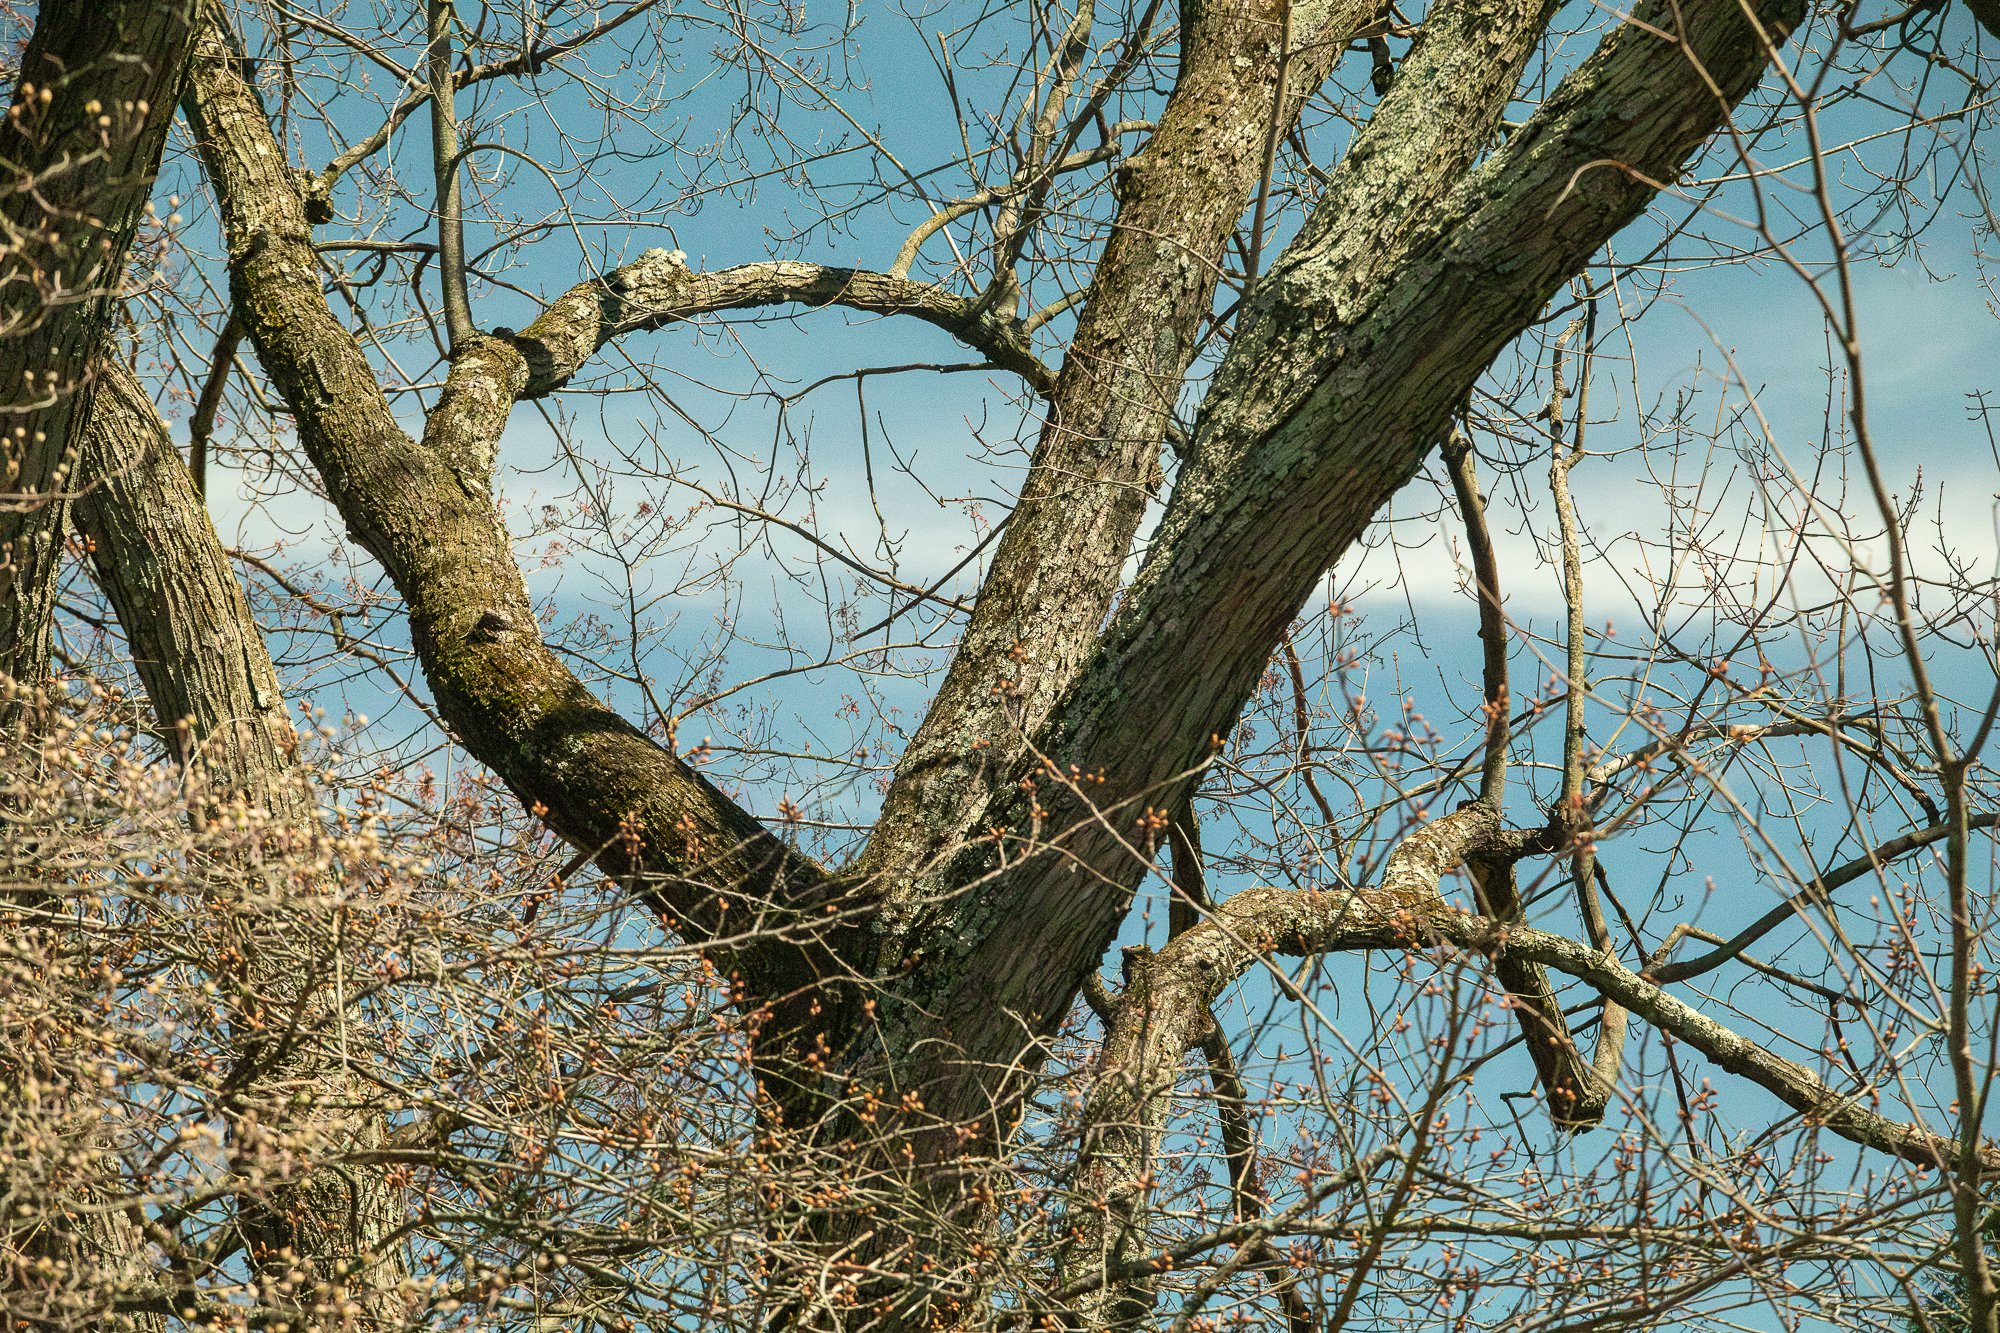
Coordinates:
(447, 169)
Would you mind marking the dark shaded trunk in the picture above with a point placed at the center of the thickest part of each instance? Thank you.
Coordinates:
(81, 144)
(329, 1231)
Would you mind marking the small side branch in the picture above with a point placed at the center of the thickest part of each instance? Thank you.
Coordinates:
(201, 427)
(445, 161)
(1575, 1101)
(1573, 813)
(1239, 1147)
(1492, 620)
(1190, 881)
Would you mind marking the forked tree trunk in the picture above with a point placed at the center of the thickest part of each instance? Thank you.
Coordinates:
(1345, 367)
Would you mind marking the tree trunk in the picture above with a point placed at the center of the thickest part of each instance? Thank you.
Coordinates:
(82, 143)
(1247, 66)
(199, 653)
(331, 1229)
(1370, 330)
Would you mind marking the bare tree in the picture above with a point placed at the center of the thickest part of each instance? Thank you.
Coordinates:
(806, 1027)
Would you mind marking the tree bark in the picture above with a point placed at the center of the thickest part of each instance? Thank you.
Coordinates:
(1166, 1012)
(81, 143)
(79, 146)
(425, 512)
(215, 695)
(1371, 328)
(1247, 67)
(1414, 272)
(198, 651)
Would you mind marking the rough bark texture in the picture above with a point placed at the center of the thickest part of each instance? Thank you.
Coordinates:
(216, 697)
(1345, 367)
(1064, 550)
(1420, 264)
(199, 653)
(425, 512)
(80, 145)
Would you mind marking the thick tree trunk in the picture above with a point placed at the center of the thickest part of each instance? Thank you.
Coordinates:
(331, 1230)
(1413, 273)
(1247, 66)
(197, 649)
(1371, 328)
(81, 144)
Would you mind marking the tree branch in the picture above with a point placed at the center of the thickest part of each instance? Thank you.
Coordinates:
(446, 168)
(1819, 890)
(1098, 458)
(1166, 1011)
(425, 512)
(1348, 359)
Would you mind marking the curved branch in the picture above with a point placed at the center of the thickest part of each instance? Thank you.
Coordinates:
(649, 818)
(658, 289)
(1165, 1010)
(490, 374)
(1794, 905)
(1792, 1083)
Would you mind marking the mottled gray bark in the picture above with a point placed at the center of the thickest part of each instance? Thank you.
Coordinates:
(79, 147)
(1346, 365)
(1096, 462)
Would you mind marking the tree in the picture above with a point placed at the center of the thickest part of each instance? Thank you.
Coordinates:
(615, 1030)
